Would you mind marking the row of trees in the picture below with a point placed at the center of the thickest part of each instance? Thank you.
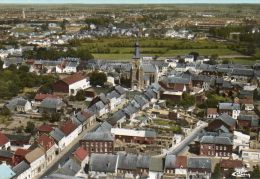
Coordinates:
(54, 54)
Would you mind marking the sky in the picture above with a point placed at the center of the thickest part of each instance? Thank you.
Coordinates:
(127, 1)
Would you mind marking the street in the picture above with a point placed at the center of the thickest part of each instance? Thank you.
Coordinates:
(64, 155)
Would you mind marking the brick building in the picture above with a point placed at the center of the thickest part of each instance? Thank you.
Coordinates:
(216, 146)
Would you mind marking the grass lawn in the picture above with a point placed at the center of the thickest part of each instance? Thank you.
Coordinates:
(243, 61)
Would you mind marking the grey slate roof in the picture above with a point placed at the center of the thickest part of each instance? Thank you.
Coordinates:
(113, 94)
(127, 161)
(229, 106)
(116, 117)
(5, 154)
(156, 164)
(120, 90)
(104, 127)
(57, 134)
(103, 163)
(199, 162)
(20, 168)
(227, 119)
(243, 72)
(99, 136)
(70, 168)
(170, 161)
(141, 100)
(215, 140)
(51, 103)
(149, 68)
(130, 109)
(12, 104)
(143, 161)
(178, 80)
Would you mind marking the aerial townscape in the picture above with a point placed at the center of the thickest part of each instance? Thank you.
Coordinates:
(129, 91)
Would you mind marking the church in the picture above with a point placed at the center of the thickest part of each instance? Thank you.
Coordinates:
(142, 73)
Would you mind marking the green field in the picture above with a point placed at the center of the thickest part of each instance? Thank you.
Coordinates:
(122, 48)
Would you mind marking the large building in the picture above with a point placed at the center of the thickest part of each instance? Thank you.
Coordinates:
(142, 74)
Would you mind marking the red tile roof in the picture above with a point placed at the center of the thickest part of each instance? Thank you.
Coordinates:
(181, 162)
(67, 127)
(81, 153)
(231, 164)
(3, 139)
(45, 141)
(246, 101)
(21, 152)
(212, 111)
(41, 97)
(73, 78)
(179, 87)
(45, 128)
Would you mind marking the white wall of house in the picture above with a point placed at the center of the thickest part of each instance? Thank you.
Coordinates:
(251, 155)
(27, 174)
(38, 165)
(62, 143)
(6, 146)
(249, 107)
(80, 85)
(155, 175)
(50, 154)
(235, 113)
(73, 135)
(181, 171)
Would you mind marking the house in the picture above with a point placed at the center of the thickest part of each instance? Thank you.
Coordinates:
(22, 170)
(199, 167)
(227, 166)
(70, 130)
(212, 113)
(98, 142)
(36, 159)
(19, 104)
(232, 109)
(156, 167)
(49, 146)
(59, 137)
(132, 165)
(117, 118)
(44, 129)
(181, 166)
(250, 154)
(130, 111)
(218, 146)
(5, 143)
(70, 169)
(247, 104)
(71, 84)
(19, 155)
(6, 171)
(134, 136)
(224, 120)
(82, 156)
(189, 58)
(241, 141)
(19, 139)
(248, 121)
(6, 156)
(39, 97)
(175, 166)
(51, 105)
(102, 164)
(114, 99)
(86, 118)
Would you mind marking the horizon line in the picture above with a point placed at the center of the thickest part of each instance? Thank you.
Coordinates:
(243, 3)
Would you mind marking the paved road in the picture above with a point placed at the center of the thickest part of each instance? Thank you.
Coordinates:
(64, 155)
(176, 149)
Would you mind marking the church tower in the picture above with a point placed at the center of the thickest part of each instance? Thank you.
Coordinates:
(137, 73)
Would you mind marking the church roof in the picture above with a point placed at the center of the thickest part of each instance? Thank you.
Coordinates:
(136, 54)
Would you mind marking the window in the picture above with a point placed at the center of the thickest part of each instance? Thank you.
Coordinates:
(220, 148)
(225, 148)
(209, 147)
(224, 154)
(216, 147)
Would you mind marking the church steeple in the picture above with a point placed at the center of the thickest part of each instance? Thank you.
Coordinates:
(136, 54)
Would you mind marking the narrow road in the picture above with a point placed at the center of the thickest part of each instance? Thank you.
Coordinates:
(176, 149)
(64, 155)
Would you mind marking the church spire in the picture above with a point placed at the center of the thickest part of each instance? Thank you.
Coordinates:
(137, 51)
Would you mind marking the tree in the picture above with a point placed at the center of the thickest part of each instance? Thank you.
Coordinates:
(256, 172)
(30, 127)
(1, 64)
(195, 54)
(225, 61)
(55, 117)
(5, 111)
(181, 60)
(80, 96)
(97, 78)
(24, 69)
(214, 56)
(217, 172)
